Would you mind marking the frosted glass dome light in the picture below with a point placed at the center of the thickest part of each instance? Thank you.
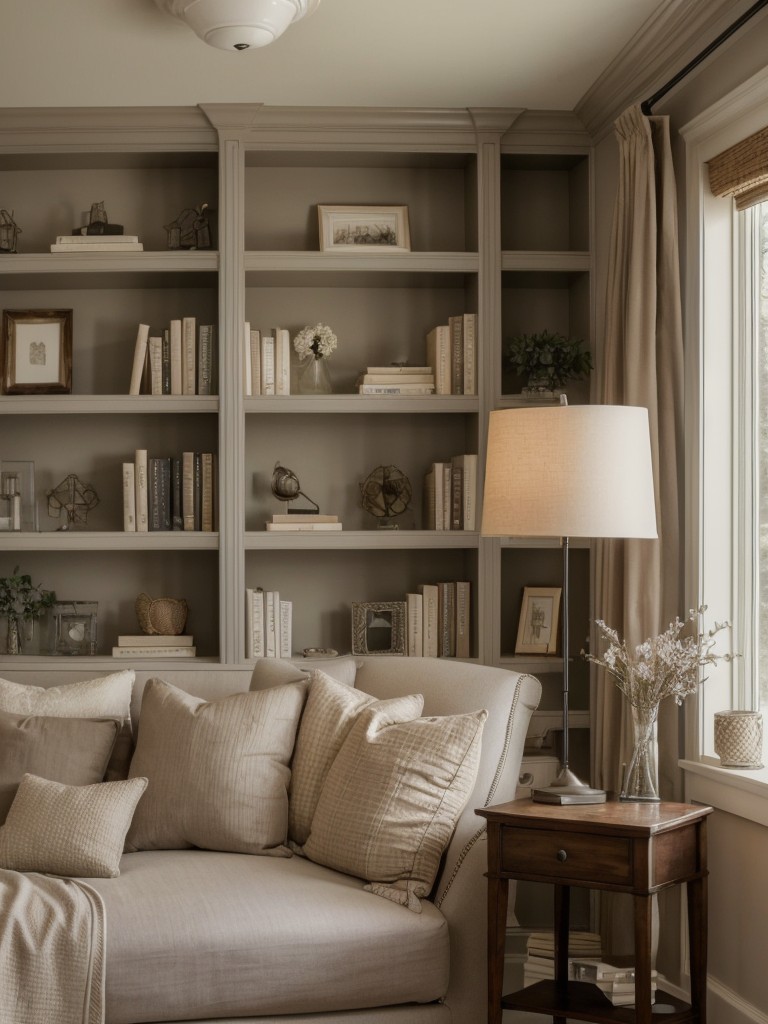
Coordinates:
(238, 24)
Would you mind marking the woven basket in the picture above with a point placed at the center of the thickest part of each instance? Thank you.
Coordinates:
(161, 616)
(739, 738)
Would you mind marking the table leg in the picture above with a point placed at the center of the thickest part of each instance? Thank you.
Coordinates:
(643, 906)
(697, 939)
(498, 892)
(562, 929)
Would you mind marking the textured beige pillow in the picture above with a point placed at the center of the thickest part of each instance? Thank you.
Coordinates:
(218, 772)
(392, 798)
(105, 697)
(71, 750)
(75, 831)
(279, 671)
(329, 714)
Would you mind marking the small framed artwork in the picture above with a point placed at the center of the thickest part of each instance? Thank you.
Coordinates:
(37, 351)
(537, 632)
(378, 627)
(74, 627)
(372, 228)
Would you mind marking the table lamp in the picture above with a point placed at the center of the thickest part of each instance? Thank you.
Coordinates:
(569, 471)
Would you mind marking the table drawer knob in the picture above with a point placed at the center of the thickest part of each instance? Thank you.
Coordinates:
(562, 856)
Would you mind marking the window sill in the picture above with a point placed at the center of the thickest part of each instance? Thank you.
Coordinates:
(733, 790)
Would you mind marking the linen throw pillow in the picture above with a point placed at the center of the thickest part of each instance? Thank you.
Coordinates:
(71, 750)
(392, 798)
(218, 771)
(74, 831)
(105, 697)
(279, 671)
(329, 714)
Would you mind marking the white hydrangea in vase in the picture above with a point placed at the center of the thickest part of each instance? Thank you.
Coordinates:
(314, 345)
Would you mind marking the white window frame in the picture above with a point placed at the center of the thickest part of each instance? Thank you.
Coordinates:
(720, 487)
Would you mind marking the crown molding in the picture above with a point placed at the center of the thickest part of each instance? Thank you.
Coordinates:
(674, 34)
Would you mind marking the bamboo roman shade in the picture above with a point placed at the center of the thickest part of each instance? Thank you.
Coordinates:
(741, 171)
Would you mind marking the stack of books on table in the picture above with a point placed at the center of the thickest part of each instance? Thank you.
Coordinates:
(152, 646)
(269, 624)
(397, 380)
(617, 983)
(540, 961)
(97, 243)
(303, 522)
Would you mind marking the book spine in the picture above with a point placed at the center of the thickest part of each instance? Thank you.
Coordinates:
(286, 628)
(153, 474)
(396, 389)
(154, 652)
(470, 353)
(447, 495)
(205, 352)
(430, 616)
(469, 515)
(268, 365)
(456, 324)
(257, 624)
(198, 490)
(156, 365)
(166, 362)
(207, 516)
(142, 492)
(447, 620)
(255, 361)
(188, 490)
(439, 357)
(188, 355)
(139, 357)
(282, 361)
(414, 614)
(248, 622)
(462, 619)
(457, 498)
(428, 495)
(176, 377)
(129, 497)
(247, 370)
(437, 469)
(177, 510)
(271, 623)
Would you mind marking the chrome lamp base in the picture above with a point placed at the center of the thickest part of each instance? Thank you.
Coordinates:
(568, 789)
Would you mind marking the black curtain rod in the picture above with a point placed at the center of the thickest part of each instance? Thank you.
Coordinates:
(646, 105)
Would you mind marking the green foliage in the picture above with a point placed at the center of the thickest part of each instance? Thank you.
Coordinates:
(20, 598)
(549, 359)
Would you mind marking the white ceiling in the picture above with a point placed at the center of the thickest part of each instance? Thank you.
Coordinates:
(464, 53)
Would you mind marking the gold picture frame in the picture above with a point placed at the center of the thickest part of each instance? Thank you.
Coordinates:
(37, 351)
(364, 229)
(378, 627)
(537, 631)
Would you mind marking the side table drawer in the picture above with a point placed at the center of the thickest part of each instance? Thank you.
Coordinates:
(562, 855)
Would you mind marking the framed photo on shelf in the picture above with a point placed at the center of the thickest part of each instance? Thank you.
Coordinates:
(369, 228)
(74, 627)
(537, 631)
(378, 627)
(37, 351)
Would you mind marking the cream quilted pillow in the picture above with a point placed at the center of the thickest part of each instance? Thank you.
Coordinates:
(218, 771)
(105, 697)
(392, 798)
(329, 714)
(75, 831)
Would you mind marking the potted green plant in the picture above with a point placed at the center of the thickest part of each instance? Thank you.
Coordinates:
(20, 599)
(547, 361)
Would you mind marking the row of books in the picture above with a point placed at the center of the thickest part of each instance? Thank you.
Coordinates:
(268, 625)
(450, 494)
(169, 492)
(615, 982)
(303, 522)
(97, 243)
(266, 361)
(147, 645)
(438, 620)
(397, 380)
(179, 361)
(452, 355)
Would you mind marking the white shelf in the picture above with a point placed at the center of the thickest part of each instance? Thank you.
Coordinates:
(360, 262)
(361, 540)
(362, 404)
(104, 405)
(173, 261)
(93, 540)
(552, 262)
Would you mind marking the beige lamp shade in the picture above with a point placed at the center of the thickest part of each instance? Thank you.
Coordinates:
(569, 471)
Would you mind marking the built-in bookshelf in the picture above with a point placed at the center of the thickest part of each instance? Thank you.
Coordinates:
(500, 228)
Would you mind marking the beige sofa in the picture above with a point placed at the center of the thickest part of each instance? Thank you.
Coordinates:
(209, 936)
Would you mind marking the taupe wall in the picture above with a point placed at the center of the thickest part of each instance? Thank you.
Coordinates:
(738, 917)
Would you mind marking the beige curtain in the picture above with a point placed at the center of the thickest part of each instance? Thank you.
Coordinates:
(637, 582)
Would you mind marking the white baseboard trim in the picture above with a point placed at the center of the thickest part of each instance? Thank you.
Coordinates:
(724, 1006)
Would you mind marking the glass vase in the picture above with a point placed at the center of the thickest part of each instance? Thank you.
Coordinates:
(314, 378)
(13, 639)
(641, 776)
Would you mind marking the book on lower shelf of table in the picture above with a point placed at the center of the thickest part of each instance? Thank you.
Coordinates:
(615, 981)
(540, 961)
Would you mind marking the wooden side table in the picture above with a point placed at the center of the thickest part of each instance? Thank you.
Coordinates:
(636, 848)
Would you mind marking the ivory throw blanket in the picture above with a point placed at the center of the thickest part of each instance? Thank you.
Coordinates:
(52, 934)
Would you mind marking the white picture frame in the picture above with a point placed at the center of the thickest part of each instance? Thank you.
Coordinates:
(364, 229)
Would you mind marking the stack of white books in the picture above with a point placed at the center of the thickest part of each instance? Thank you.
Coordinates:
(540, 961)
(397, 380)
(269, 624)
(617, 983)
(303, 522)
(152, 646)
(97, 243)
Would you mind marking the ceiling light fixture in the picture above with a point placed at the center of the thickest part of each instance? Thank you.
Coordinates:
(238, 24)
